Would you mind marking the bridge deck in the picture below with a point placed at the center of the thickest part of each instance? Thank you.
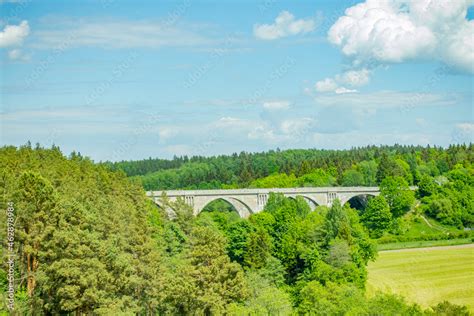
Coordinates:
(302, 190)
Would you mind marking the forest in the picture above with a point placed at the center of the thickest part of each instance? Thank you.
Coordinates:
(88, 241)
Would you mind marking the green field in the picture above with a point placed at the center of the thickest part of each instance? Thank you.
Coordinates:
(426, 276)
(424, 244)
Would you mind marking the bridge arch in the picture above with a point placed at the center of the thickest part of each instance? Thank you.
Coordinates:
(240, 207)
(359, 200)
(311, 202)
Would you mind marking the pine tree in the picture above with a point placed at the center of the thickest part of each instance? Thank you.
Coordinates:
(258, 249)
(218, 281)
(36, 199)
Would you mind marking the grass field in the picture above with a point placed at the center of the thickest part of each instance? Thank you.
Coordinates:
(426, 276)
(424, 243)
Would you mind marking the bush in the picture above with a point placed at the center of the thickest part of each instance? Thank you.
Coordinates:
(391, 239)
(446, 308)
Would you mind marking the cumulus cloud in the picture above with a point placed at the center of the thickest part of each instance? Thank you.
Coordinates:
(463, 133)
(13, 35)
(354, 78)
(296, 126)
(396, 31)
(167, 132)
(326, 85)
(338, 84)
(276, 105)
(18, 55)
(285, 25)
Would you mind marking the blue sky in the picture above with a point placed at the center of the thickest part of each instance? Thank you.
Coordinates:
(136, 79)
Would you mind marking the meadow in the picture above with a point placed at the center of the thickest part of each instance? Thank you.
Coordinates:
(424, 244)
(426, 276)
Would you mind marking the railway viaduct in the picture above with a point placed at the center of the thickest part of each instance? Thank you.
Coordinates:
(249, 201)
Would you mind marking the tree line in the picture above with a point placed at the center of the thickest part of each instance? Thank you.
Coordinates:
(364, 166)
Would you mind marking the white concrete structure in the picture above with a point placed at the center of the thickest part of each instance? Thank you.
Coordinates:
(249, 201)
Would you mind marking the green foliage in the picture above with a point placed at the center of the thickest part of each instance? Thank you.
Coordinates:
(217, 281)
(377, 216)
(398, 195)
(352, 178)
(369, 171)
(446, 308)
(390, 304)
(426, 187)
(258, 249)
(337, 224)
(265, 298)
(442, 210)
(331, 299)
(83, 236)
(317, 178)
(238, 235)
(339, 253)
(322, 167)
(275, 181)
(390, 167)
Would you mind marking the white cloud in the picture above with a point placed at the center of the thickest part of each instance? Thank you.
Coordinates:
(352, 78)
(285, 25)
(368, 103)
(297, 126)
(13, 35)
(421, 122)
(232, 122)
(167, 132)
(396, 31)
(326, 85)
(14, 54)
(360, 138)
(466, 127)
(18, 55)
(122, 34)
(49, 114)
(274, 132)
(463, 133)
(342, 90)
(180, 149)
(262, 132)
(276, 105)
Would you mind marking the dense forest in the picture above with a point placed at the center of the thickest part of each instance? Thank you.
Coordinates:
(303, 167)
(88, 241)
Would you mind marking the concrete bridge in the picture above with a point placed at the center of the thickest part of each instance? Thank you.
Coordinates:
(249, 201)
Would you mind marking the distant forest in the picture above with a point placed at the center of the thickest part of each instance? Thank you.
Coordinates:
(366, 166)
